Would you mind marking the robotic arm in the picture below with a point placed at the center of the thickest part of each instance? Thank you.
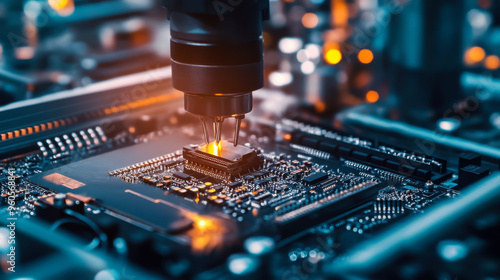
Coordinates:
(217, 57)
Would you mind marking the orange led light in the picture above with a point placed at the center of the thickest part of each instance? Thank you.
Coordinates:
(365, 56)
(474, 55)
(333, 56)
(492, 62)
(372, 96)
(310, 20)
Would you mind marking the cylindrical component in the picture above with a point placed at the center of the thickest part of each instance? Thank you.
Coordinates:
(425, 50)
(216, 51)
(218, 104)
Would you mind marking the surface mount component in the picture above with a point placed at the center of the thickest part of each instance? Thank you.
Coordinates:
(223, 161)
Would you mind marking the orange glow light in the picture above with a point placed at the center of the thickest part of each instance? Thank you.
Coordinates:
(333, 56)
(340, 13)
(474, 55)
(58, 4)
(213, 149)
(310, 20)
(365, 56)
(207, 233)
(62, 7)
(320, 106)
(492, 62)
(372, 96)
(287, 137)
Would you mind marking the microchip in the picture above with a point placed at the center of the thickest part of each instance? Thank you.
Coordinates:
(315, 178)
(234, 184)
(263, 181)
(171, 163)
(182, 176)
(226, 163)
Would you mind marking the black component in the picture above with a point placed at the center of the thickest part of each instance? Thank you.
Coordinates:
(360, 155)
(471, 174)
(171, 163)
(469, 158)
(391, 164)
(377, 160)
(230, 163)
(263, 181)
(263, 196)
(182, 176)
(439, 178)
(215, 105)
(328, 207)
(428, 85)
(351, 151)
(234, 184)
(345, 152)
(315, 178)
(310, 142)
(328, 147)
(423, 173)
(261, 173)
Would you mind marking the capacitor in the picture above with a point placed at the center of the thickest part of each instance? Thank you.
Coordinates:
(429, 186)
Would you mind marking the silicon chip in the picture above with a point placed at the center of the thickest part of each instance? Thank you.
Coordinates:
(171, 163)
(182, 176)
(234, 184)
(315, 178)
(226, 164)
(263, 181)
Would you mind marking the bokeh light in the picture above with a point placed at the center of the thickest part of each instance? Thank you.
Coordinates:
(310, 20)
(492, 62)
(333, 56)
(372, 96)
(365, 56)
(474, 55)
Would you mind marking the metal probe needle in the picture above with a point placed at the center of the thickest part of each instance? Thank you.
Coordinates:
(205, 130)
(217, 133)
(217, 129)
(237, 130)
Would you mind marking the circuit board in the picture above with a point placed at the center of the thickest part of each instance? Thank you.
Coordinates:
(331, 189)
